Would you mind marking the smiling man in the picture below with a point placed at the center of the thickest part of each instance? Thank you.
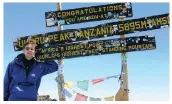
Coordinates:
(24, 73)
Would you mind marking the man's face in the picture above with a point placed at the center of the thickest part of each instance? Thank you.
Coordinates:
(29, 51)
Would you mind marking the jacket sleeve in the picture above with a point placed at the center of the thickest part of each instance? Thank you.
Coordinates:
(49, 67)
(7, 80)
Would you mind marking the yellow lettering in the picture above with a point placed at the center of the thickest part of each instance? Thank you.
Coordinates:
(92, 32)
(98, 32)
(62, 48)
(55, 55)
(81, 18)
(62, 37)
(86, 10)
(49, 49)
(57, 49)
(106, 49)
(113, 49)
(59, 14)
(142, 46)
(127, 28)
(164, 20)
(103, 50)
(56, 38)
(95, 11)
(72, 13)
(143, 24)
(129, 47)
(43, 50)
(63, 14)
(104, 8)
(111, 8)
(66, 35)
(132, 26)
(133, 46)
(21, 43)
(100, 10)
(90, 10)
(81, 34)
(70, 19)
(111, 29)
(82, 12)
(120, 7)
(147, 46)
(122, 48)
(44, 56)
(37, 40)
(153, 22)
(93, 17)
(50, 37)
(77, 12)
(121, 27)
(168, 19)
(150, 46)
(102, 16)
(67, 13)
(86, 33)
(139, 46)
(158, 21)
(137, 24)
(67, 48)
(104, 30)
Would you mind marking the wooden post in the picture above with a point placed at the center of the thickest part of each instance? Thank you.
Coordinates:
(123, 92)
(61, 63)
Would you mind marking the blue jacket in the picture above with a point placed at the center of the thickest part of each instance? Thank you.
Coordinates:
(18, 86)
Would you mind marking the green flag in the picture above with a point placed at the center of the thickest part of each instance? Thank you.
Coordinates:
(83, 85)
(95, 99)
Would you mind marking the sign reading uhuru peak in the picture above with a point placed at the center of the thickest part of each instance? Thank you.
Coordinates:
(100, 31)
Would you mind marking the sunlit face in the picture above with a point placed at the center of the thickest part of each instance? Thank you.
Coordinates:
(29, 51)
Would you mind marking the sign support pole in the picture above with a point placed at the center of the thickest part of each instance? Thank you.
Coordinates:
(61, 64)
(123, 92)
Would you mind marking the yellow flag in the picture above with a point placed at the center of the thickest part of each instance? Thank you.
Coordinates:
(69, 84)
(112, 98)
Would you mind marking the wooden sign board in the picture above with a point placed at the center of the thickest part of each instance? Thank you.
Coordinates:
(100, 47)
(100, 31)
(88, 14)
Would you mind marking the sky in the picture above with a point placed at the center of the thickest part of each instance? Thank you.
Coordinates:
(148, 71)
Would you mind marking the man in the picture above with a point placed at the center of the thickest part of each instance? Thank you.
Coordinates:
(24, 73)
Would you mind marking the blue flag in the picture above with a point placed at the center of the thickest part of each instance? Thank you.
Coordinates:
(66, 93)
(114, 76)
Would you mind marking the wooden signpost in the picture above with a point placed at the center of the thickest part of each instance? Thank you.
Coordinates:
(73, 43)
(61, 63)
(122, 94)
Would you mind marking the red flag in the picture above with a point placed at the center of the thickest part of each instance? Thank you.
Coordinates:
(80, 97)
(94, 81)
